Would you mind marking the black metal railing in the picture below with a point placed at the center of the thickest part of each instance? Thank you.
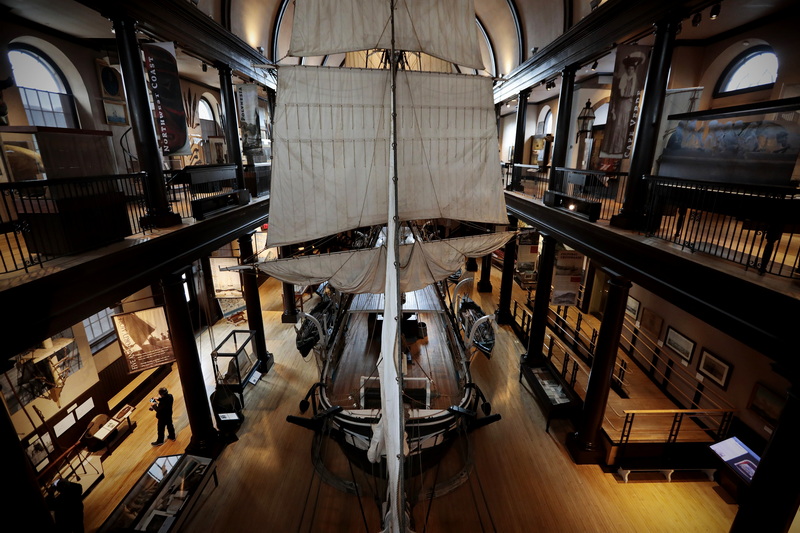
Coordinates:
(532, 180)
(606, 188)
(752, 225)
(41, 220)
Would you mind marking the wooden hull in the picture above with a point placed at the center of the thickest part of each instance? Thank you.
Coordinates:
(440, 400)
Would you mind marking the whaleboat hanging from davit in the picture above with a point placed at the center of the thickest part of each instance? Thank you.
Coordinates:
(388, 178)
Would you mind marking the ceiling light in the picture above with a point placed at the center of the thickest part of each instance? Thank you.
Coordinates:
(594, 65)
(696, 19)
(714, 13)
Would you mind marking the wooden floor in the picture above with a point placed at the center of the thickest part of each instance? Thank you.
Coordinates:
(522, 478)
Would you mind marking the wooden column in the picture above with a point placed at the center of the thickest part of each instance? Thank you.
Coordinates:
(562, 137)
(231, 125)
(519, 139)
(504, 315)
(289, 315)
(252, 301)
(541, 301)
(772, 499)
(655, 89)
(584, 445)
(485, 283)
(205, 440)
(159, 213)
(25, 507)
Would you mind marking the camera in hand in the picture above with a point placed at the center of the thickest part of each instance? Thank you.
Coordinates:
(152, 400)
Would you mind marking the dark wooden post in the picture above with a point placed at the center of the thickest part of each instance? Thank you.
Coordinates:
(205, 440)
(23, 501)
(541, 302)
(159, 213)
(583, 445)
(231, 125)
(255, 320)
(289, 315)
(519, 139)
(485, 283)
(504, 315)
(562, 137)
(655, 89)
(771, 500)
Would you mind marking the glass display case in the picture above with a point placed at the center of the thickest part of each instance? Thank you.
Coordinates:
(161, 499)
(235, 359)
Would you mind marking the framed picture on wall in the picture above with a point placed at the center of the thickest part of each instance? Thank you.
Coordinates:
(651, 322)
(766, 403)
(632, 307)
(218, 152)
(680, 344)
(116, 113)
(111, 87)
(715, 368)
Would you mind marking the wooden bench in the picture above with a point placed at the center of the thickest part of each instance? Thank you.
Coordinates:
(666, 472)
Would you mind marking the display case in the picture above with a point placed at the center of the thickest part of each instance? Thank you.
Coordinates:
(163, 497)
(555, 396)
(235, 360)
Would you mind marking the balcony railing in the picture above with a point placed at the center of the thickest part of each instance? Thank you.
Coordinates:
(41, 220)
(752, 225)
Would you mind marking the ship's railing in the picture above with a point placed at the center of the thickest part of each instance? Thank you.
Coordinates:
(752, 225)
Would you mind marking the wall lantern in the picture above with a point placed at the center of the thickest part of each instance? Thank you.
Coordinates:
(585, 119)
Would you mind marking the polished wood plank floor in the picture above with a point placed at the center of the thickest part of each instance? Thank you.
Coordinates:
(522, 478)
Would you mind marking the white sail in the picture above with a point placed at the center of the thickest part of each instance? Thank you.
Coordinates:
(363, 271)
(323, 28)
(331, 151)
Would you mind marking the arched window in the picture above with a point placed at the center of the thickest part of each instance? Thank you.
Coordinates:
(208, 126)
(45, 93)
(753, 70)
(548, 123)
(204, 110)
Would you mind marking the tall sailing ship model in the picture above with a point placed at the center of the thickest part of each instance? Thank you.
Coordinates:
(388, 179)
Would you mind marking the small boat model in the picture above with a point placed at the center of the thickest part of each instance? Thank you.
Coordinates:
(476, 325)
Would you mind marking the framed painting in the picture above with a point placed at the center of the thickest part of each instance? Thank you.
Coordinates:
(766, 403)
(110, 79)
(632, 307)
(680, 344)
(116, 113)
(651, 322)
(715, 368)
(217, 150)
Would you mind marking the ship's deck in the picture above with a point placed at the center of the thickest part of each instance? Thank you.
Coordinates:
(431, 381)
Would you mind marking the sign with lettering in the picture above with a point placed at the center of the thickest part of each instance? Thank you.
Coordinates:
(144, 338)
(170, 117)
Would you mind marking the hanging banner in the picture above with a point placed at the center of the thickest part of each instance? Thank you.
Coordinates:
(170, 117)
(626, 90)
(144, 338)
(567, 278)
(248, 118)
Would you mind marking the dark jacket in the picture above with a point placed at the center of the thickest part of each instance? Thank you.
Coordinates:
(163, 408)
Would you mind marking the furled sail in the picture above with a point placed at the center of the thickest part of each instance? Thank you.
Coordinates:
(331, 151)
(323, 28)
(363, 271)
